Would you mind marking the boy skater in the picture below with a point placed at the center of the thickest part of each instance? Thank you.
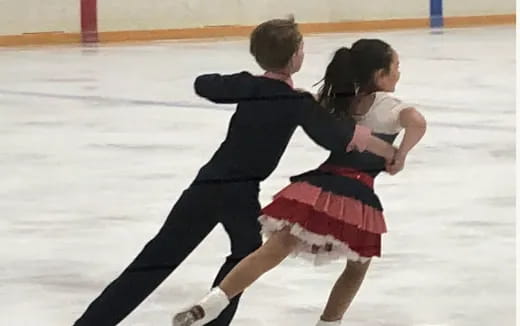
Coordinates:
(226, 188)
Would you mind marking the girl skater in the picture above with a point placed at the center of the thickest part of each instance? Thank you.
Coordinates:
(227, 186)
(332, 211)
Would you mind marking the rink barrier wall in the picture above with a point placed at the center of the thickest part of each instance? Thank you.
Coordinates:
(89, 21)
(436, 15)
(90, 34)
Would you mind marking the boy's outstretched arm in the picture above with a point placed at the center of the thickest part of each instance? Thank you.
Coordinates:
(225, 89)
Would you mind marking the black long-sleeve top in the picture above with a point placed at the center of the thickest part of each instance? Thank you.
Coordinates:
(266, 117)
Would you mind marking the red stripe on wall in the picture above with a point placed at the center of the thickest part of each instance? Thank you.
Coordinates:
(89, 31)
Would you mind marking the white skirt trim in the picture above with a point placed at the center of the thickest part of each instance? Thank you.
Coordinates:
(309, 241)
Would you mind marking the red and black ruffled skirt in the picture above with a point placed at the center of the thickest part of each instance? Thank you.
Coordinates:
(333, 210)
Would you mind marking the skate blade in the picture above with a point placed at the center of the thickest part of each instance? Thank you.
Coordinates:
(185, 318)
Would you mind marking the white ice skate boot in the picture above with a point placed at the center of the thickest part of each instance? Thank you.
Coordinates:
(329, 323)
(204, 311)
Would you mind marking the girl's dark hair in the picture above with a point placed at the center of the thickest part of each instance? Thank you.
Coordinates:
(352, 70)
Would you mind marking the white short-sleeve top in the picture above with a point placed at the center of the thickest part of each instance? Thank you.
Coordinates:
(383, 115)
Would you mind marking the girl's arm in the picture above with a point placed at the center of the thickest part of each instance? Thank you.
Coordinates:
(414, 126)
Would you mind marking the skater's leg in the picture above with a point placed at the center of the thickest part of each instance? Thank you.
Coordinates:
(269, 255)
(244, 233)
(344, 290)
(188, 223)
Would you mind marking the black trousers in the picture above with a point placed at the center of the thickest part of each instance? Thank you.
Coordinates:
(191, 219)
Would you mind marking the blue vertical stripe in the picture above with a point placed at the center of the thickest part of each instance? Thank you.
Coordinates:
(436, 18)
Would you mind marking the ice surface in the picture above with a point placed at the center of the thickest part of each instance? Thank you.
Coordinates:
(98, 143)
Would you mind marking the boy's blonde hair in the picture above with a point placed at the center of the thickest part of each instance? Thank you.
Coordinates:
(274, 42)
